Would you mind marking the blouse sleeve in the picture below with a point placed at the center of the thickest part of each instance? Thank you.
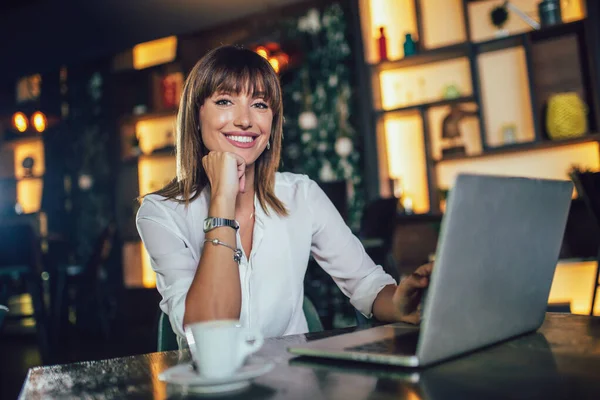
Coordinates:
(164, 234)
(341, 254)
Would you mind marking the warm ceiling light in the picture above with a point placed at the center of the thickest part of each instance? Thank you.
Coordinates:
(155, 52)
(262, 51)
(274, 63)
(20, 121)
(39, 121)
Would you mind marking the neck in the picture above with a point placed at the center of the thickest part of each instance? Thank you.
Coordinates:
(245, 201)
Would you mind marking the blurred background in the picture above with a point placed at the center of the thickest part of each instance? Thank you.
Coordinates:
(385, 102)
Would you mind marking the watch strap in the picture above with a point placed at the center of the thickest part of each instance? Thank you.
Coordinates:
(211, 223)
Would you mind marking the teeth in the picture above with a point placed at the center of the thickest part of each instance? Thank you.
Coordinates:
(241, 139)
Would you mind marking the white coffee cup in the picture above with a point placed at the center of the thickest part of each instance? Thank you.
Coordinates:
(220, 348)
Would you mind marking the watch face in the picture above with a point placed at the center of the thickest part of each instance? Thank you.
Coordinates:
(207, 224)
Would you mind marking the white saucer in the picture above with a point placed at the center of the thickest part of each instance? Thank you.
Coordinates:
(184, 375)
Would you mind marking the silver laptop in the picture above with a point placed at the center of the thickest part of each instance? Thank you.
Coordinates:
(497, 252)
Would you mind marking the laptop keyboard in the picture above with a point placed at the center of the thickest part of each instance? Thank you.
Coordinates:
(403, 344)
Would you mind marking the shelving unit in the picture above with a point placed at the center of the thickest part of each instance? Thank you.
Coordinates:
(147, 138)
(506, 81)
(18, 185)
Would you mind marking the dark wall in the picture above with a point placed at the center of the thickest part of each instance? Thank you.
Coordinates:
(42, 35)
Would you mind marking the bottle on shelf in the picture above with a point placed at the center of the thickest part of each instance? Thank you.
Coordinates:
(398, 189)
(407, 204)
(410, 46)
(382, 44)
(550, 12)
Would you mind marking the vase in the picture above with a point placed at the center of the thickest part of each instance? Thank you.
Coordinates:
(410, 47)
(382, 43)
(549, 12)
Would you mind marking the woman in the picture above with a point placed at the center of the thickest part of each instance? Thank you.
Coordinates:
(230, 238)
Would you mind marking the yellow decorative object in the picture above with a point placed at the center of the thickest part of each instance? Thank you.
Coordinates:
(566, 116)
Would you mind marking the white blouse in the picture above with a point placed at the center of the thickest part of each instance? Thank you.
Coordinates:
(272, 277)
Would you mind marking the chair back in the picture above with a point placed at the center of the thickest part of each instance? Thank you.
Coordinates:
(19, 246)
(379, 220)
(312, 316)
(101, 250)
(167, 339)
(337, 192)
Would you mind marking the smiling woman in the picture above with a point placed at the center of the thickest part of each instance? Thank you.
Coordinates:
(231, 237)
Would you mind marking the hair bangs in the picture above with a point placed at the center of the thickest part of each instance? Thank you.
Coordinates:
(252, 75)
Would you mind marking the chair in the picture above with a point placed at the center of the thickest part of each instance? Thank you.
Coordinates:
(3, 311)
(20, 272)
(88, 282)
(167, 339)
(377, 226)
(312, 316)
(588, 188)
(337, 192)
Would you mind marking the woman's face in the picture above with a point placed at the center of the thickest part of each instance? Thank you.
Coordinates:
(236, 123)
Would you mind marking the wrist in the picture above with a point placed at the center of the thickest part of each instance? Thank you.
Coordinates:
(222, 206)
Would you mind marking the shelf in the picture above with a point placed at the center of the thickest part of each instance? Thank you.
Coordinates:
(132, 119)
(503, 43)
(160, 68)
(418, 218)
(567, 261)
(437, 103)
(162, 152)
(463, 49)
(519, 39)
(25, 178)
(519, 147)
(575, 27)
(12, 139)
(425, 57)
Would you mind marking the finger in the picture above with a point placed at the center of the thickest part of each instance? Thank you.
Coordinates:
(416, 281)
(241, 167)
(424, 270)
(239, 160)
(413, 318)
(243, 183)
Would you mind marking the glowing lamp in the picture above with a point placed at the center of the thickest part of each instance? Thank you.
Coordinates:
(274, 55)
(39, 121)
(262, 51)
(274, 63)
(19, 121)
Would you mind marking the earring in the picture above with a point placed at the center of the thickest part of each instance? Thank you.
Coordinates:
(268, 145)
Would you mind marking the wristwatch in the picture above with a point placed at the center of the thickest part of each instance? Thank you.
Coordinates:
(211, 223)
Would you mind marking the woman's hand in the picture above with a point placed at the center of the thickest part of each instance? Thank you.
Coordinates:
(226, 173)
(408, 294)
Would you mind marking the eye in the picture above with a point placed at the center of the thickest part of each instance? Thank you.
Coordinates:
(261, 105)
(223, 102)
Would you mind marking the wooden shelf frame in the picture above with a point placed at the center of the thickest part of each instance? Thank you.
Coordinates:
(419, 106)
(527, 41)
(525, 146)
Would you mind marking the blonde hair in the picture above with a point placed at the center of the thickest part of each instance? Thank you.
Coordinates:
(229, 69)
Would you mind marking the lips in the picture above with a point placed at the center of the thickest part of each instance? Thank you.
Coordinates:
(243, 140)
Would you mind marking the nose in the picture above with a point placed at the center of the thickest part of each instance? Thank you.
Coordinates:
(243, 119)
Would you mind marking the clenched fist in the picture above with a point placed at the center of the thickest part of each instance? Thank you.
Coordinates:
(226, 173)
